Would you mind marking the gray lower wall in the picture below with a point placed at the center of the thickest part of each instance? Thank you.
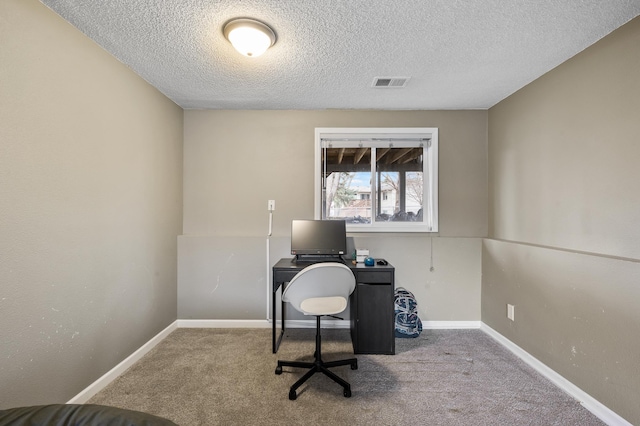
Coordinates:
(227, 277)
(577, 313)
(90, 208)
(564, 211)
(235, 161)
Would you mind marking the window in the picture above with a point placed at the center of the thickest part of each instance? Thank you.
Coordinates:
(378, 179)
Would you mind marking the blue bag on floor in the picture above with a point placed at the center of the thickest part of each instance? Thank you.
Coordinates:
(408, 323)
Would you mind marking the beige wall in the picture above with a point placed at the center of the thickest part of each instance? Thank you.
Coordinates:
(90, 207)
(564, 211)
(237, 160)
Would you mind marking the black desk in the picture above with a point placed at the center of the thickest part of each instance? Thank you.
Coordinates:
(372, 319)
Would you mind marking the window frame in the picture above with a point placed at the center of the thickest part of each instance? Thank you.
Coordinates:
(372, 137)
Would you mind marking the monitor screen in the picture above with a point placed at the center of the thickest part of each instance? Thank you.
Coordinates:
(318, 237)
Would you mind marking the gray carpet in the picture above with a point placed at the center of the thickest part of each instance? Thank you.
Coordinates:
(443, 377)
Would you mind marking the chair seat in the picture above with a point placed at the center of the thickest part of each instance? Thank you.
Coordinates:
(323, 305)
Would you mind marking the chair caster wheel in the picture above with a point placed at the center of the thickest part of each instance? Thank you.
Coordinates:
(292, 395)
(279, 369)
(354, 366)
(347, 393)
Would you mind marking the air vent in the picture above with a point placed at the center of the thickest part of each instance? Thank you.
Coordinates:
(390, 82)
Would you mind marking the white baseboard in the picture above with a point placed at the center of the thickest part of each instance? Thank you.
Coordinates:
(312, 324)
(259, 324)
(112, 374)
(197, 323)
(442, 325)
(594, 406)
(450, 325)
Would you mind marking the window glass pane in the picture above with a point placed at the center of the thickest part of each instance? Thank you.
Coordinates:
(387, 195)
(400, 185)
(347, 184)
(378, 179)
(414, 195)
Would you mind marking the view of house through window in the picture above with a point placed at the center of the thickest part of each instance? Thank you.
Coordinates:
(379, 184)
(347, 189)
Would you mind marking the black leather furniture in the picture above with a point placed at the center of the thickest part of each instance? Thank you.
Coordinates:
(78, 415)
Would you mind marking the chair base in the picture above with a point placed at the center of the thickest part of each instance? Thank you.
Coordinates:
(318, 366)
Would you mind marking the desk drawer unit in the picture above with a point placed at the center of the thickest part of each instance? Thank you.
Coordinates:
(372, 318)
(374, 277)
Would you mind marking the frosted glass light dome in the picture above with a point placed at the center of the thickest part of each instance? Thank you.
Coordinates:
(250, 37)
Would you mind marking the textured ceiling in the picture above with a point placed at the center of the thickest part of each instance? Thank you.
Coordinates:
(459, 54)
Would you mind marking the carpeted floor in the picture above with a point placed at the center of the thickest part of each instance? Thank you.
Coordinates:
(443, 377)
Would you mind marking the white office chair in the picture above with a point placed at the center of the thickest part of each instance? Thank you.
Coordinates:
(320, 289)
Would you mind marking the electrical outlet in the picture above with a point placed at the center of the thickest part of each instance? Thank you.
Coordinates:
(271, 205)
(511, 312)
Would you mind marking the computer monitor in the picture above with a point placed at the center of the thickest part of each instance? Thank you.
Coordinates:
(318, 238)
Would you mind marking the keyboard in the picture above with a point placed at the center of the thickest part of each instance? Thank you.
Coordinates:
(305, 261)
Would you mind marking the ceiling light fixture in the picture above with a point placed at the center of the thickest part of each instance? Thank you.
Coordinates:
(250, 37)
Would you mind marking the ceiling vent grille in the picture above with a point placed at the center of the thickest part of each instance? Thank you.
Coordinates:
(390, 82)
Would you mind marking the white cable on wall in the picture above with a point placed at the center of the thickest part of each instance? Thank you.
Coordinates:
(268, 282)
(271, 207)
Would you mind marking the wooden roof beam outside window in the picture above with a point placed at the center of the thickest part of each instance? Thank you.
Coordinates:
(417, 152)
(381, 152)
(359, 154)
(401, 154)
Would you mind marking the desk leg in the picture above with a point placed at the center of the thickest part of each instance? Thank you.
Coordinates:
(273, 319)
(283, 315)
(276, 340)
(274, 295)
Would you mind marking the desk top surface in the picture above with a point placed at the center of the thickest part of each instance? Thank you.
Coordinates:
(287, 263)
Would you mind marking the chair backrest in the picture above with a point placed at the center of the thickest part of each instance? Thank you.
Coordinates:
(329, 279)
